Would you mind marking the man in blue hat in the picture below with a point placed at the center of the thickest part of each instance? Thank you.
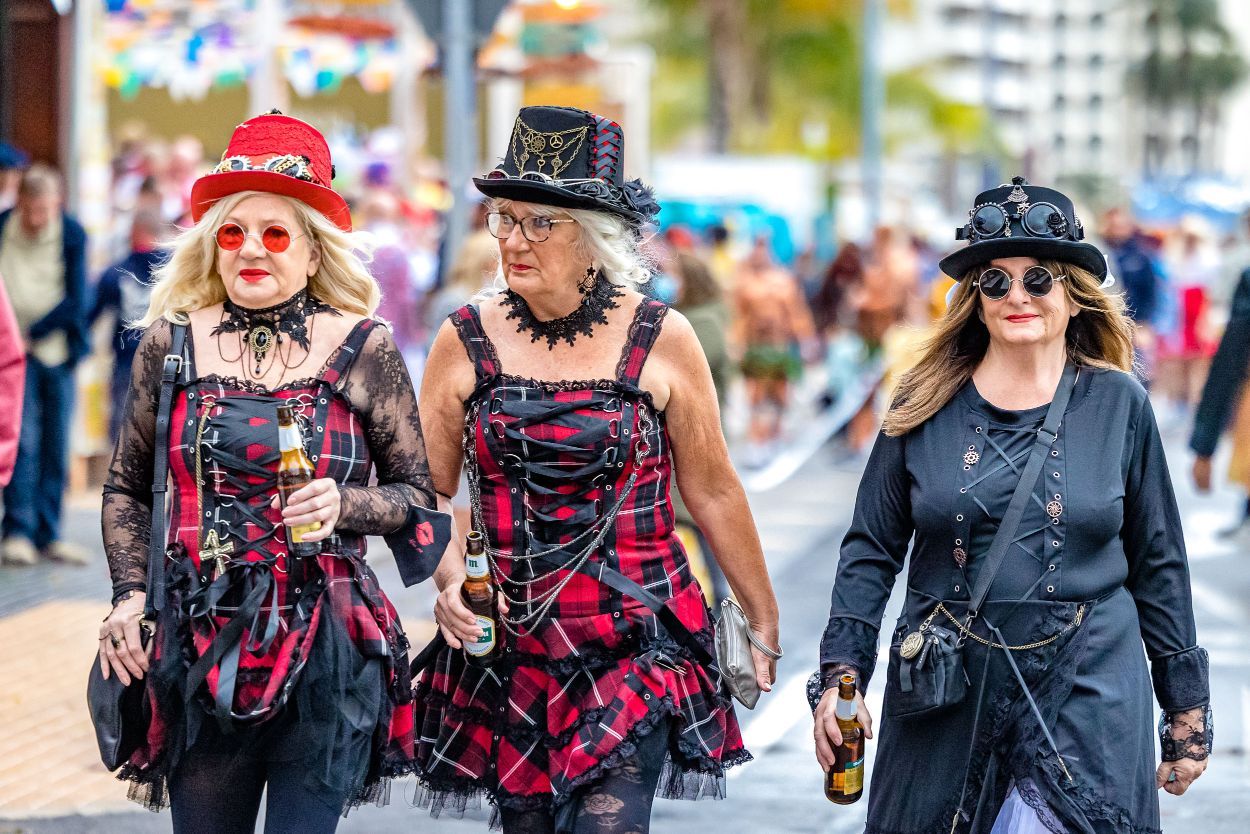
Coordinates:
(12, 163)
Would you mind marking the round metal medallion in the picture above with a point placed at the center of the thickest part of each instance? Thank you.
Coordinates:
(912, 644)
(1054, 509)
(971, 458)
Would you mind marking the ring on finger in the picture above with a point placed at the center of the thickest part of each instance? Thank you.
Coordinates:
(115, 640)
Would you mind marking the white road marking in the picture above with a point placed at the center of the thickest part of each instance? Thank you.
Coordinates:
(1210, 601)
(784, 708)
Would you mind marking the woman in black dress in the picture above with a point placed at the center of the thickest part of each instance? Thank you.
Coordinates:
(1095, 567)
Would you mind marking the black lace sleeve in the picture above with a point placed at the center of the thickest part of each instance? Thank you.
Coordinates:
(379, 387)
(1187, 735)
(126, 512)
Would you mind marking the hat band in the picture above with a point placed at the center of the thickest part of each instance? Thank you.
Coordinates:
(289, 164)
(539, 176)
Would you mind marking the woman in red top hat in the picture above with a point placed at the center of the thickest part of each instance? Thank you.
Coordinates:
(270, 667)
(600, 699)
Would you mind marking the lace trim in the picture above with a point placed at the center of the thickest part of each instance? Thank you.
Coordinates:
(1187, 735)
(631, 335)
(695, 777)
(231, 381)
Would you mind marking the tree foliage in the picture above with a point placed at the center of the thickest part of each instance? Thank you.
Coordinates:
(1192, 62)
(782, 76)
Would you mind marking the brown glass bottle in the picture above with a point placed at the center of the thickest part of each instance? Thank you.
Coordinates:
(844, 783)
(482, 597)
(294, 471)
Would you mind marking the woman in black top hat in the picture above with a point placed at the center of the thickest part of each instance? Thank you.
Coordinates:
(570, 397)
(1054, 732)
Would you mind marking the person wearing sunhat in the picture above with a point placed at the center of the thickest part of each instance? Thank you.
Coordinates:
(569, 397)
(1054, 729)
(271, 668)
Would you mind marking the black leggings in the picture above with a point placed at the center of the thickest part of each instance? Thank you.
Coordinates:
(219, 793)
(619, 803)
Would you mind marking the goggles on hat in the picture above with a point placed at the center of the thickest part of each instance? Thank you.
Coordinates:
(289, 164)
(995, 283)
(991, 220)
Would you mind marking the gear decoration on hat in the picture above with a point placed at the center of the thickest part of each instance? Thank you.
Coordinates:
(554, 150)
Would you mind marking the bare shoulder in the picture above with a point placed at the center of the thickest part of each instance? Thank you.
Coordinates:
(205, 319)
(675, 359)
(677, 336)
(330, 330)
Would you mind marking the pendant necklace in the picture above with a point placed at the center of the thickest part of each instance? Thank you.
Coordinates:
(596, 301)
(264, 331)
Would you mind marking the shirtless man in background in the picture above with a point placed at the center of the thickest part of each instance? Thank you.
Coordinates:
(774, 331)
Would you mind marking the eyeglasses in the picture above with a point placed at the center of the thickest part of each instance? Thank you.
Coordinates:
(535, 229)
(991, 220)
(275, 238)
(1037, 281)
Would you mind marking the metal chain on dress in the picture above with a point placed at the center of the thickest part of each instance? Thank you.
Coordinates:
(966, 632)
(600, 528)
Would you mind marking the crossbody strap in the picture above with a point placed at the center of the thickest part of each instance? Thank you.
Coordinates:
(676, 629)
(170, 370)
(1046, 435)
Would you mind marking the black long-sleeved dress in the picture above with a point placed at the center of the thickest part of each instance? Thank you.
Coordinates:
(1102, 532)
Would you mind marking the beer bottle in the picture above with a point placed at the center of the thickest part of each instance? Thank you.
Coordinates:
(844, 783)
(294, 471)
(481, 595)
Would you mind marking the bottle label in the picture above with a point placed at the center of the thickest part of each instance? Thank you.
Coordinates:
(297, 533)
(851, 779)
(475, 566)
(486, 643)
(289, 438)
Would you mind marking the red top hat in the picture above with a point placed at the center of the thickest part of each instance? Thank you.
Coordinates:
(279, 155)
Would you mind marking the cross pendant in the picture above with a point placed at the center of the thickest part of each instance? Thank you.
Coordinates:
(216, 551)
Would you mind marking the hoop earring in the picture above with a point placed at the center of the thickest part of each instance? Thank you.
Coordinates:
(587, 283)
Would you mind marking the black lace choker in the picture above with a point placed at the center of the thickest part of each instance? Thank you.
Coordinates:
(581, 322)
(266, 327)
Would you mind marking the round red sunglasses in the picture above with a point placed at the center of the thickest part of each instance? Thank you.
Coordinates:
(275, 238)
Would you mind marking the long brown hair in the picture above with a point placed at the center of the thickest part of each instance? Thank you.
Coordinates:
(697, 284)
(1099, 336)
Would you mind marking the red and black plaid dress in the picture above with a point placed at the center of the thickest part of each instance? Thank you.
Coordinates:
(571, 697)
(321, 657)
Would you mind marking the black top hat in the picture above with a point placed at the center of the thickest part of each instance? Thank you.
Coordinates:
(562, 156)
(1022, 220)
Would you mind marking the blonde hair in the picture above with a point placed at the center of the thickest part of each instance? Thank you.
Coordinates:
(189, 279)
(605, 240)
(1099, 336)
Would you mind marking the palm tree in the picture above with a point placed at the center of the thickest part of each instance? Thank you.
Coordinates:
(1191, 63)
(781, 75)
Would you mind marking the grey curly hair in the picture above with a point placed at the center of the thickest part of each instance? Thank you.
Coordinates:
(607, 241)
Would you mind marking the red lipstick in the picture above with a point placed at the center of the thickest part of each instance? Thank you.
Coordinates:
(1022, 317)
(253, 275)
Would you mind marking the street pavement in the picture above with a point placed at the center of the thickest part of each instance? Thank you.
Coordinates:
(51, 781)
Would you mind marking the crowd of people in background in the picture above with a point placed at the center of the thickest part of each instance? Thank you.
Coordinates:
(798, 337)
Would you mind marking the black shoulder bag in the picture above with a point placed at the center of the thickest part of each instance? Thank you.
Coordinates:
(929, 660)
(120, 713)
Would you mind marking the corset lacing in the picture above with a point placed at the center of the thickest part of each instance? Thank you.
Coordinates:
(597, 449)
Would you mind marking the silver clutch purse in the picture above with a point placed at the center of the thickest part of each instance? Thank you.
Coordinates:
(733, 654)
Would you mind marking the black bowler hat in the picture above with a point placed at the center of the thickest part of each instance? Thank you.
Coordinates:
(1022, 220)
(571, 158)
